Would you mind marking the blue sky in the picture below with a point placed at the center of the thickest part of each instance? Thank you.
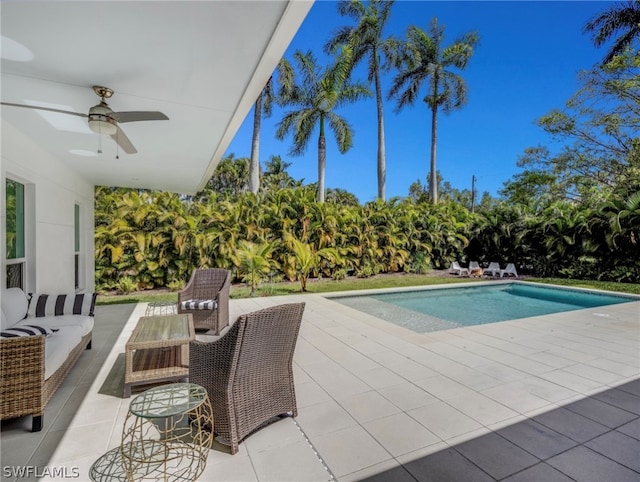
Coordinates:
(525, 65)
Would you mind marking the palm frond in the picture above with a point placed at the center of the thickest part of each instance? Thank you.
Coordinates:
(342, 131)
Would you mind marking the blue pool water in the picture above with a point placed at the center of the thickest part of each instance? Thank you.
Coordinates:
(438, 309)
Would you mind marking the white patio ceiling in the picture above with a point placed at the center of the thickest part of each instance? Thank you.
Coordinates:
(202, 63)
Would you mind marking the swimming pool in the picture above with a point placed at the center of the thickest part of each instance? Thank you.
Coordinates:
(444, 308)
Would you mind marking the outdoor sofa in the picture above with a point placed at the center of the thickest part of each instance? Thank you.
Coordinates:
(41, 339)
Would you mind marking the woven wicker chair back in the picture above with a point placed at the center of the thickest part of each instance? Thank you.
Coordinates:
(248, 372)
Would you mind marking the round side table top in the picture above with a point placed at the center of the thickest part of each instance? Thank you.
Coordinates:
(167, 400)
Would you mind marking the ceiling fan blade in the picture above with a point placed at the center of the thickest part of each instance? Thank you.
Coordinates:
(123, 141)
(135, 116)
(44, 108)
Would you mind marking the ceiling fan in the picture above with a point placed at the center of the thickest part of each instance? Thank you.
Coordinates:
(105, 121)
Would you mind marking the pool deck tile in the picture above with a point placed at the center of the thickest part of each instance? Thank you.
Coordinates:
(559, 394)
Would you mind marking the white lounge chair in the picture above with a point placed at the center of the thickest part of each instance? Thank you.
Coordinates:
(475, 269)
(509, 270)
(493, 269)
(457, 269)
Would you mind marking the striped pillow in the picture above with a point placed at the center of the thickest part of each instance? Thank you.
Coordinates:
(57, 305)
(199, 305)
(27, 330)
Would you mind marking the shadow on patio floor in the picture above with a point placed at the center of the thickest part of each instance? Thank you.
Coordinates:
(594, 439)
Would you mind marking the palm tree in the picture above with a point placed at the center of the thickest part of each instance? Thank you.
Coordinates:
(304, 258)
(254, 262)
(276, 175)
(314, 101)
(366, 40)
(426, 59)
(263, 104)
(622, 19)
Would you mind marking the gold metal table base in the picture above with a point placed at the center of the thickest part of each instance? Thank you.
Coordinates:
(166, 436)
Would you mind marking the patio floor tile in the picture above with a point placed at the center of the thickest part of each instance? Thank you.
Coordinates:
(380, 377)
(601, 412)
(310, 393)
(482, 408)
(236, 469)
(446, 465)
(443, 387)
(585, 465)
(323, 418)
(620, 399)
(537, 439)
(444, 420)
(541, 472)
(387, 471)
(350, 450)
(288, 463)
(632, 429)
(368, 406)
(515, 397)
(632, 387)
(281, 432)
(496, 455)
(571, 380)
(407, 396)
(400, 434)
(545, 389)
(619, 447)
(570, 424)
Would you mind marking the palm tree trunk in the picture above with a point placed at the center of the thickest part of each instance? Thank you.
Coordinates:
(433, 181)
(322, 160)
(382, 161)
(254, 166)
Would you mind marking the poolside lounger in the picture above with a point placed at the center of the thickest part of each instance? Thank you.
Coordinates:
(493, 269)
(457, 269)
(475, 269)
(509, 270)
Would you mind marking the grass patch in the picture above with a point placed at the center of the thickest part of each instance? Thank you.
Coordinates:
(353, 284)
(137, 297)
(632, 288)
(288, 288)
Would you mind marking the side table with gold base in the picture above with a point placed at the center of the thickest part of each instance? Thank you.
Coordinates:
(167, 436)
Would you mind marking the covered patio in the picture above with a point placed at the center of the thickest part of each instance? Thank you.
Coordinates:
(546, 398)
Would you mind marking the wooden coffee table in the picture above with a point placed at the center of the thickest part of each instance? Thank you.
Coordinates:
(158, 350)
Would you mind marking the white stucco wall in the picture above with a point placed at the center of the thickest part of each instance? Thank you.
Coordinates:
(52, 190)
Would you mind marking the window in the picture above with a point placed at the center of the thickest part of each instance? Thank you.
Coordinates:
(15, 234)
(76, 248)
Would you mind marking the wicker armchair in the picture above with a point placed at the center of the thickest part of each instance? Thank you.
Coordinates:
(248, 372)
(208, 284)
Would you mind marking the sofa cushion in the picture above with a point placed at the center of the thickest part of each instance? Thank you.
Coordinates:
(26, 330)
(14, 306)
(57, 348)
(64, 304)
(84, 323)
(4, 321)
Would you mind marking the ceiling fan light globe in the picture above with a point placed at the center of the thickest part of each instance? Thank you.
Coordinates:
(103, 125)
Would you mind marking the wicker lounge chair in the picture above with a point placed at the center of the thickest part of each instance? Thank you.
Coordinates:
(206, 297)
(248, 371)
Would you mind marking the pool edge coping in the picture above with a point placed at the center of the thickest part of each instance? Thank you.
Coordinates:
(373, 291)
